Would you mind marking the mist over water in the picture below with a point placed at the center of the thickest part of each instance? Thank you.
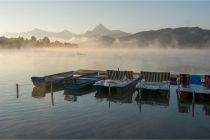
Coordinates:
(52, 60)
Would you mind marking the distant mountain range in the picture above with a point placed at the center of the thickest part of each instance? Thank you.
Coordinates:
(98, 31)
(169, 37)
(65, 34)
(193, 37)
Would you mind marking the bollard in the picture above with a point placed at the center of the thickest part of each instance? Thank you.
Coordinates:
(17, 88)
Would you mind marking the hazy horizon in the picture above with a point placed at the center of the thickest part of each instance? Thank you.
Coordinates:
(80, 16)
(96, 26)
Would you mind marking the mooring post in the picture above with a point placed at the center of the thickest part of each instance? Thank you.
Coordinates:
(52, 99)
(51, 86)
(139, 92)
(17, 88)
(109, 103)
(109, 95)
(193, 104)
(109, 90)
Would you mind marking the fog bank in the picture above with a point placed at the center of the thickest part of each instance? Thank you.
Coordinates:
(44, 60)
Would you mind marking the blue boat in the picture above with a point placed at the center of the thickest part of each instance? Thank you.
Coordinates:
(56, 79)
(83, 81)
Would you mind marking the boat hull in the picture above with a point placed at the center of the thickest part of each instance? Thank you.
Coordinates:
(79, 85)
(84, 81)
(55, 79)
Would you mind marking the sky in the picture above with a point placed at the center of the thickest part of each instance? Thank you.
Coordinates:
(80, 16)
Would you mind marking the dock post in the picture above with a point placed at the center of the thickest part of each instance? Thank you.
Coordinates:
(52, 99)
(109, 95)
(193, 104)
(17, 88)
(139, 92)
(51, 86)
(109, 103)
(109, 90)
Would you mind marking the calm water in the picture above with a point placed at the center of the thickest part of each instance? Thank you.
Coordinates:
(94, 115)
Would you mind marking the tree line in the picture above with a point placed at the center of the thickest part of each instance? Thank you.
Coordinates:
(32, 42)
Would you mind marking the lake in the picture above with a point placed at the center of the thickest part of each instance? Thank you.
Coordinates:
(94, 115)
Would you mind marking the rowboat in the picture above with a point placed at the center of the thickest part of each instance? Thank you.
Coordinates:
(72, 94)
(82, 81)
(55, 79)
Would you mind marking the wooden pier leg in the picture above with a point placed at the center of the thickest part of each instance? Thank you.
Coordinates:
(109, 91)
(52, 99)
(17, 88)
(51, 86)
(193, 104)
(109, 94)
(139, 92)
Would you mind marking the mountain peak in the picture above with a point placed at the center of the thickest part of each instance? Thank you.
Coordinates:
(36, 29)
(100, 28)
(65, 31)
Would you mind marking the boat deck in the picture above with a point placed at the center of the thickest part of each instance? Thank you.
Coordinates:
(195, 88)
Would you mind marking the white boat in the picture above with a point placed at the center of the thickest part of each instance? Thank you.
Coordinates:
(117, 79)
(154, 81)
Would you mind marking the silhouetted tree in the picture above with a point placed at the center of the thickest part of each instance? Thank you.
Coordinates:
(33, 39)
(46, 40)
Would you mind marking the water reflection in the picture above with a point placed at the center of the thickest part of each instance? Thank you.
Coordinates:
(72, 95)
(71, 98)
(206, 108)
(41, 91)
(116, 95)
(155, 98)
(186, 105)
